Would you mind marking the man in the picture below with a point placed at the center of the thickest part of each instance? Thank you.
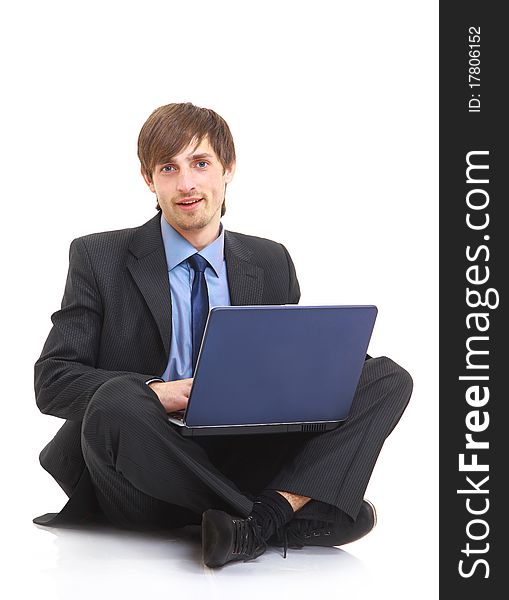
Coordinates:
(121, 353)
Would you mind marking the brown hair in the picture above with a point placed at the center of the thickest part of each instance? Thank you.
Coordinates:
(170, 128)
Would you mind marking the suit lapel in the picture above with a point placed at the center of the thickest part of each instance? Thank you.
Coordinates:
(147, 265)
(245, 280)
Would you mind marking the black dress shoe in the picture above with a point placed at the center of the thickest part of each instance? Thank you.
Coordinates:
(226, 538)
(301, 532)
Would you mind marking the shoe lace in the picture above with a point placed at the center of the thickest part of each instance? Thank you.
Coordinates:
(285, 539)
(296, 533)
(248, 540)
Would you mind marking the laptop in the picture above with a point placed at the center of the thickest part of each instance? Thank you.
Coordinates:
(274, 369)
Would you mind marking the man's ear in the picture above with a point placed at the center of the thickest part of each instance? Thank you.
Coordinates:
(148, 180)
(229, 172)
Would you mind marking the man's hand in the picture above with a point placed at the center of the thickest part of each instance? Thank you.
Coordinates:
(173, 395)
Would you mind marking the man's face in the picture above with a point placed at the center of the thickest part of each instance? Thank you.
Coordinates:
(191, 188)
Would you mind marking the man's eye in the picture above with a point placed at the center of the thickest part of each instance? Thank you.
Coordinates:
(168, 169)
(202, 164)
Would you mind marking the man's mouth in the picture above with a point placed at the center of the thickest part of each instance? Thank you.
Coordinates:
(189, 202)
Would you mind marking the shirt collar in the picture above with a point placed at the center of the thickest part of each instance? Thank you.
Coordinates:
(178, 249)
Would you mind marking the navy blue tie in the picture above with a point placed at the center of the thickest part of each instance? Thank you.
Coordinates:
(199, 302)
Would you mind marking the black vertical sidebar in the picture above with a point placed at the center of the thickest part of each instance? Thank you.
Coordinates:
(474, 367)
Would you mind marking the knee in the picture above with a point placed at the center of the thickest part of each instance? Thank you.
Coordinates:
(119, 399)
(393, 382)
(399, 375)
(399, 380)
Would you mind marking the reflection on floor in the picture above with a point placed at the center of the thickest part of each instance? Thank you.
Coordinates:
(104, 562)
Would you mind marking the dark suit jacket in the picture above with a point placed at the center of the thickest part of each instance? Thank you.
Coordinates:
(116, 318)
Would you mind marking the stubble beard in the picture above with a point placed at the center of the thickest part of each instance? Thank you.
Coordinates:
(192, 222)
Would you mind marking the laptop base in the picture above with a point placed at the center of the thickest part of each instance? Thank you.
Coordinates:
(316, 427)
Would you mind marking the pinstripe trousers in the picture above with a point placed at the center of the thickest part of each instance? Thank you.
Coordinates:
(147, 475)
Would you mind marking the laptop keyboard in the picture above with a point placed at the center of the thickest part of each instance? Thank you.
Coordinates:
(178, 415)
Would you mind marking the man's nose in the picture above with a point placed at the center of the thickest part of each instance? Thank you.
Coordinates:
(185, 180)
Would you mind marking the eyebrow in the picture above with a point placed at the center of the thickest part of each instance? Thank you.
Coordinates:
(191, 157)
(201, 155)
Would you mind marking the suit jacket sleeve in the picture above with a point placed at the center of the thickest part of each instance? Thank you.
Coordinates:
(66, 376)
(293, 289)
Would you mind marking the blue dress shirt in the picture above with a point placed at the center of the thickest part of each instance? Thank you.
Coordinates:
(178, 250)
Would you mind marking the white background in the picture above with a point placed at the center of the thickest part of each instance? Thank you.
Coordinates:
(334, 110)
